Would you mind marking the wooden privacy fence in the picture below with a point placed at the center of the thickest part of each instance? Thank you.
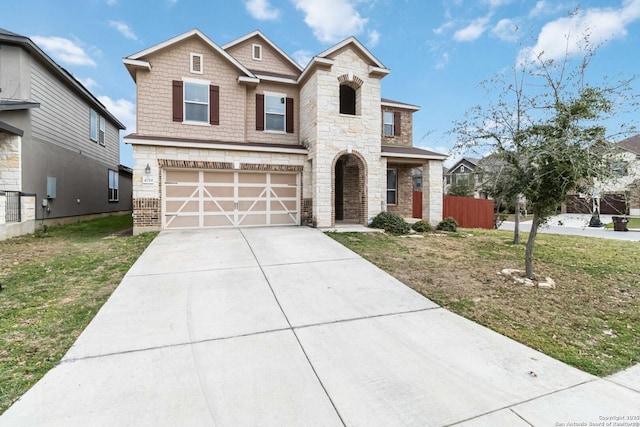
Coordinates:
(469, 212)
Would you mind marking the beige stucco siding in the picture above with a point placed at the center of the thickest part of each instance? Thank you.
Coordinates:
(155, 101)
(271, 62)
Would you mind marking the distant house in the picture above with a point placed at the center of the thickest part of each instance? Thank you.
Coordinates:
(463, 174)
(619, 195)
(239, 134)
(59, 146)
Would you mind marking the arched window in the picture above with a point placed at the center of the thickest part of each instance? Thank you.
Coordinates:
(347, 100)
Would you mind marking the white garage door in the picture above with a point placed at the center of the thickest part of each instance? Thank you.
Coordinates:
(204, 199)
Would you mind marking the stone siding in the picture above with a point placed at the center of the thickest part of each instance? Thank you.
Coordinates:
(10, 164)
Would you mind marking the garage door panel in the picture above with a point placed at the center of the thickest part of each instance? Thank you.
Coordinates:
(219, 220)
(284, 179)
(183, 221)
(283, 219)
(194, 199)
(182, 176)
(219, 177)
(284, 192)
(211, 191)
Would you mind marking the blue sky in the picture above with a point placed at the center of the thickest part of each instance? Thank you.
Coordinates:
(438, 50)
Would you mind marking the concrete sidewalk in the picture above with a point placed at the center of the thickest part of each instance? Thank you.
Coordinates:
(286, 327)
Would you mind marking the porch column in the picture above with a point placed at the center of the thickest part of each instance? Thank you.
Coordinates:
(432, 192)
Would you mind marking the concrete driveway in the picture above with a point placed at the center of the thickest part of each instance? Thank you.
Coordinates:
(285, 327)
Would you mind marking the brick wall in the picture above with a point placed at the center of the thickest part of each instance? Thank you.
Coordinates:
(146, 214)
(406, 128)
(404, 207)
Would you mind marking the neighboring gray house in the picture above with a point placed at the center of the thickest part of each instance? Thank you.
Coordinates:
(58, 143)
(462, 173)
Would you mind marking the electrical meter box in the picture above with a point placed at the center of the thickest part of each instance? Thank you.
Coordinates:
(51, 187)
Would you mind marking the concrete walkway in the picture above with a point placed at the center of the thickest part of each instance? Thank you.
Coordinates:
(285, 327)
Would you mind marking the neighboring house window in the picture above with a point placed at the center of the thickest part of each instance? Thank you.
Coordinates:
(195, 102)
(113, 186)
(274, 112)
(93, 133)
(196, 61)
(347, 100)
(619, 168)
(388, 122)
(256, 52)
(103, 130)
(392, 186)
(462, 179)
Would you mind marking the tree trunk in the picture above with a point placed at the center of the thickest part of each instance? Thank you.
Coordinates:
(528, 253)
(516, 227)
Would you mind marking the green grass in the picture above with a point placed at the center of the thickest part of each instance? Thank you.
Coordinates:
(591, 320)
(53, 285)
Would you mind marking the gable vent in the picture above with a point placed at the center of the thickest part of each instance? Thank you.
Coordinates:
(196, 63)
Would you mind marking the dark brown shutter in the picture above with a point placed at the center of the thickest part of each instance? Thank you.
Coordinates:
(214, 107)
(289, 117)
(259, 111)
(177, 101)
(397, 124)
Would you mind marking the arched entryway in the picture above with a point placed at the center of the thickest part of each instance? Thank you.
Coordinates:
(349, 189)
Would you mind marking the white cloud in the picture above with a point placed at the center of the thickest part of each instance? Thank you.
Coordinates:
(506, 30)
(123, 29)
(566, 35)
(302, 57)
(123, 110)
(472, 31)
(89, 83)
(543, 7)
(374, 38)
(112, 2)
(331, 20)
(443, 61)
(442, 28)
(64, 50)
(261, 10)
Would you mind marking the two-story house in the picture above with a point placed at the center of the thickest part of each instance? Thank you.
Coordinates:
(58, 143)
(241, 135)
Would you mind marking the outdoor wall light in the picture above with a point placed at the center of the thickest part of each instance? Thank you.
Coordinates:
(147, 170)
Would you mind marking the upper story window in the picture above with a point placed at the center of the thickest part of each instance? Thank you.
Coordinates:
(93, 126)
(274, 112)
(102, 131)
(388, 123)
(256, 52)
(347, 100)
(196, 61)
(196, 102)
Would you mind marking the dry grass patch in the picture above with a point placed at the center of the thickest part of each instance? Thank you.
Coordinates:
(53, 285)
(591, 320)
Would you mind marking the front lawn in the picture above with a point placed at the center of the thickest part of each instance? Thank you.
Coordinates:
(591, 320)
(52, 286)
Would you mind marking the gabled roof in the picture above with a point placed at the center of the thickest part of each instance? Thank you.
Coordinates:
(466, 161)
(64, 76)
(360, 46)
(630, 144)
(397, 104)
(410, 153)
(137, 59)
(258, 33)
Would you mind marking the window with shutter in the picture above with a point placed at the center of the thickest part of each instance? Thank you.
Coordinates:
(388, 123)
(397, 124)
(177, 100)
(214, 109)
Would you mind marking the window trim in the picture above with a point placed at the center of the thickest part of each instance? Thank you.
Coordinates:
(185, 82)
(93, 125)
(284, 112)
(392, 124)
(191, 69)
(253, 52)
(102, 131)
(113, 194)
(394, 190)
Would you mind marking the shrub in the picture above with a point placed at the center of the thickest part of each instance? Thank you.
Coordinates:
(448, 224)
(421, 227)
(391, 223)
